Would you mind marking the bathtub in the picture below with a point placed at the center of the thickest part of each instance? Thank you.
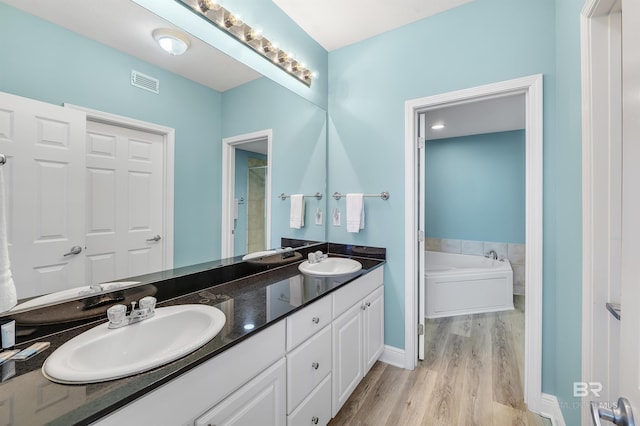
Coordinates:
(460, 284)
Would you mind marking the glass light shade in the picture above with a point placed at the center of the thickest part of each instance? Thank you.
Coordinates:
(171, 41)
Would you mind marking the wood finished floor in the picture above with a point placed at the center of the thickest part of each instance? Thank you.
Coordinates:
(472, 374)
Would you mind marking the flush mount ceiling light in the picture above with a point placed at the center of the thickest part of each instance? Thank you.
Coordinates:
(438, 126)
(217, 15)
(171, 41)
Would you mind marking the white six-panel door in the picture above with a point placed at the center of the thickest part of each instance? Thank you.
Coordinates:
(85, 204)
(124, 204)
(44, 145)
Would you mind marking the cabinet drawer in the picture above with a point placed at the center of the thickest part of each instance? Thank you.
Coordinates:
(352, 293)
(261, 401)
(316, 406)
(306, 322)
(307, 366)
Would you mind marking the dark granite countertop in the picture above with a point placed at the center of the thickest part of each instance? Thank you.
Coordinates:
(260, 299)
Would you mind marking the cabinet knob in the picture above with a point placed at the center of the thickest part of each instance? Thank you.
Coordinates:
(315, 420)
(315, 320)
(368, 304)
(363, 307)
(315, 365)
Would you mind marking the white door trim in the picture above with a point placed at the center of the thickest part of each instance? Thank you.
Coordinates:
(228, 184)
(601, 196)
(531, 87)
(168, 135)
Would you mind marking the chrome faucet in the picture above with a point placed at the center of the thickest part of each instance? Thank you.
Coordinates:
(492, 255)
(316, 257)
(118, 317)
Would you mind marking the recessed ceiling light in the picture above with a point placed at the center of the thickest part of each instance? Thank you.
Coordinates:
(172, 42)
(249, 326)
(437, 126)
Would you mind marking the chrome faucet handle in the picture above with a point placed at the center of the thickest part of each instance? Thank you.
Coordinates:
(148, 303)
(116, 313)
(312, 258)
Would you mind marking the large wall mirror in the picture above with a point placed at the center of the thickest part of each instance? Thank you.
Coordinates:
(87, 56)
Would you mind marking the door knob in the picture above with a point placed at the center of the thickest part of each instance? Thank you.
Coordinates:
(622, 415)
(156, 238)
(74, 250)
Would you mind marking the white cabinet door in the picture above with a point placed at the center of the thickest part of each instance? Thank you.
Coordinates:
(124, 208)
(347, 355)
(259, 402)
(373, 324)
(44, 178)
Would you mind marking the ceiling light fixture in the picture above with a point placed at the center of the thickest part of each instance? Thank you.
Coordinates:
(216, 14)
(171, 41)
(437, 126)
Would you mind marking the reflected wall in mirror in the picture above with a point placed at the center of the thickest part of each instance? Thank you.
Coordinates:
(49, 63)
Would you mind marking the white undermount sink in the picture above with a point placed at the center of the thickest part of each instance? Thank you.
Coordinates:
(102, 354)
(330, 267)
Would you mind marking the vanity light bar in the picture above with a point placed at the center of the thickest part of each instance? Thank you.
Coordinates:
(232, 25)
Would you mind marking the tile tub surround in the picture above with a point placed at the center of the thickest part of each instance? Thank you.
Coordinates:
(241, 299)
(514, 252)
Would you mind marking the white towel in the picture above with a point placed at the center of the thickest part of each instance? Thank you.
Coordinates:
(355, 212)
(8, 297)
(296, 214)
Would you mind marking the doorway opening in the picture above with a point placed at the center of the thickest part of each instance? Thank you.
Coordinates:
(246, 193)
(530, 88)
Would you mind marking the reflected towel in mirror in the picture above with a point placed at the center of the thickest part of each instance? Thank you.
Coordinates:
(8, 296)
(296, 215)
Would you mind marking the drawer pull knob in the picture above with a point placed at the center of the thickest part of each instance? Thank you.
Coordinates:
(315, 420)
(363, 307)
(315, 365)
(315, 320)
(368, 304)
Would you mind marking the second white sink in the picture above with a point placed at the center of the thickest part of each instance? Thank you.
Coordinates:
(102, 354)
(330, 267)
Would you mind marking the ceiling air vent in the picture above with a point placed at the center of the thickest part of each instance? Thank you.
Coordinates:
(145, 82)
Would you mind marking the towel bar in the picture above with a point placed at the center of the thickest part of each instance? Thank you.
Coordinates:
(384, 195)
(317, 195)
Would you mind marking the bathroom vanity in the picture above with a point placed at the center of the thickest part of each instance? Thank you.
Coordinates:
(293, 349)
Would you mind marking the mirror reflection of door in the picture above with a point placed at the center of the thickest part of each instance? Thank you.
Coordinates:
(250, 194)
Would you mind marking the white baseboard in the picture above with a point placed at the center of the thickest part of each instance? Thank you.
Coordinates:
(551, 408)
(393, 356)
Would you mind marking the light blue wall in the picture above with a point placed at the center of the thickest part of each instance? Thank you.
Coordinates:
(298, 146)
(475, 187)
(45, 62)
(482, 42)
(275, 24)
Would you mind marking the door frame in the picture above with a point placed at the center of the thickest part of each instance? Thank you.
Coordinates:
(229, 146)
(168, 137)
(601, 197)
(532, 88)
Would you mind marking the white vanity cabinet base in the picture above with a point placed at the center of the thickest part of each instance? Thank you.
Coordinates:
(308, 321)
(373, 328)
(307, 365)
(316, 406)
(358, 334)
(348, 360)
(186, 397)
(259, 402)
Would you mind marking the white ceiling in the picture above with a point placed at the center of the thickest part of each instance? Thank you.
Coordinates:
(126, 26)
(486, 116)
(338, 23)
